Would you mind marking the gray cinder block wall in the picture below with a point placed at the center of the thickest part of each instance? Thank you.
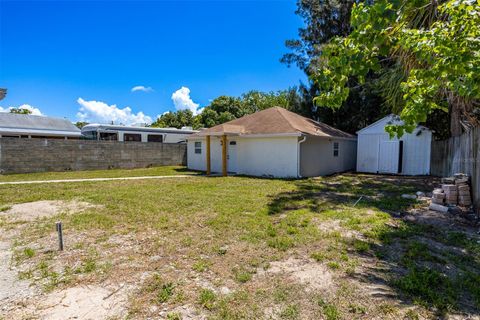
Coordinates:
(41, 155)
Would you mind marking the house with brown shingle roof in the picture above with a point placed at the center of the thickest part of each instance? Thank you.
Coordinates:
(273, 142)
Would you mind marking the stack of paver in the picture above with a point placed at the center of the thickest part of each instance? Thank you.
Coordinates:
(463, 187)
(454, 191)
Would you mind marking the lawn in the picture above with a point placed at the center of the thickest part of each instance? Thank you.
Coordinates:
(250, 248)
(113, 173)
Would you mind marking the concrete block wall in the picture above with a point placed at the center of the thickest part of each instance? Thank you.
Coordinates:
(41, 155)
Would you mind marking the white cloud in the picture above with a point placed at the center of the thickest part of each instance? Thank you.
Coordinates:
(142, 88)
(182, 101)
(100, 112)
(34, 111)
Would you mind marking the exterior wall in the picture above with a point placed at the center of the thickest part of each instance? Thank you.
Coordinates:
(317, 159)
(416, 152)
(275, 157)
(196, 161)
(40, 155)
(272, 156)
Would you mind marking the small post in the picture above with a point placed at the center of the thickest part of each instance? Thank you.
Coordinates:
(58, 227)
(224, 155)
(209, 171)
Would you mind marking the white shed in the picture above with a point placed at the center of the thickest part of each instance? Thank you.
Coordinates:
(274, 142)
(409, 155)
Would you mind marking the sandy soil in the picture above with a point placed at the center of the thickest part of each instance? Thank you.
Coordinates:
(13, 291)
(19, 300)
(42, 209)
(310, 273)
(84, 302)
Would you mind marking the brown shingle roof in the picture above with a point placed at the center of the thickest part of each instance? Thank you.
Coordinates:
(275, 120)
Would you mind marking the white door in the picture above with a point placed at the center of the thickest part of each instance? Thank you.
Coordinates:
(232, 156)
(388, 157)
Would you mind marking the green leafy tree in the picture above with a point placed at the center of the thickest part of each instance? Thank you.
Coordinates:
(80, 124)
(325, 20)
(433, 53)
(20, 111)
(178, 119)
(209, 118)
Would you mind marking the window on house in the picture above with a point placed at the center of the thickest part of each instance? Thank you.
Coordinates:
(108, 136)
(155, 138)
(198, 147)
(132, 137)
(335, 149)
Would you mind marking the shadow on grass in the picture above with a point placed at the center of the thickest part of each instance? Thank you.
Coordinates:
(433, 262)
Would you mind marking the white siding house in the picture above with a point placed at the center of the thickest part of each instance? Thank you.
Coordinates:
(409, 155)
(274, 143)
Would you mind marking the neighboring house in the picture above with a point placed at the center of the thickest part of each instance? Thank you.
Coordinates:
(14, 125)
(409, 155)
(274, 142)
(138, 134)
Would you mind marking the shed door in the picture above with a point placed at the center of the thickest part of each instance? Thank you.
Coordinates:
(388, 155)
(232, 156)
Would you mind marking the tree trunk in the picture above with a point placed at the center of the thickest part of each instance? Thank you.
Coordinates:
(461, 116)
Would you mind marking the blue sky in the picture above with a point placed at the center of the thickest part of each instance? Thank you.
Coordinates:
(60, 56)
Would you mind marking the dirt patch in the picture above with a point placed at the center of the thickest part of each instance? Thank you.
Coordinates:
(329, 226)
(12, 290)
(186, 312)
(43, 209)
(89, 302)
(313, 275)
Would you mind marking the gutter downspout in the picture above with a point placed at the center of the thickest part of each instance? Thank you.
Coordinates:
(298, 155)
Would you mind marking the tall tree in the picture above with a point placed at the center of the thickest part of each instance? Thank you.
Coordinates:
(433, 50)
(325, 20)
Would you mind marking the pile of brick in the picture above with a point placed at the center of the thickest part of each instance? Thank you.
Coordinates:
(455, 191)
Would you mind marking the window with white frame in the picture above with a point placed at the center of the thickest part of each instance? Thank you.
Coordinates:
(198, 147)
(335, 149)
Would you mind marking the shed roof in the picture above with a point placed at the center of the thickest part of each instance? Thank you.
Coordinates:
(275, 121)
(379, 125)
(11, 122)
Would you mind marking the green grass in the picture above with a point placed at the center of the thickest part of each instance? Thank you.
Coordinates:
(112, 173)
(329, 311)
(429, 286)
(207, 299)
(180, 232)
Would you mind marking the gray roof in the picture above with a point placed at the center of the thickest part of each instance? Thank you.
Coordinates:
(23, 123)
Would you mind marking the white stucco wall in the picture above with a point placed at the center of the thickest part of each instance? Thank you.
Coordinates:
(317, 158)
(196, 161)
(272, 156)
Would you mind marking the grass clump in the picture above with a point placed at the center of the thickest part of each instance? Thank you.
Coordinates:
(201, 266)
(290, 312)
(207, 299)
(163, 290)
(361, 246)
(282, 243)
(174, 316)
(329, 311)
(428, 287)
(242, 274)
